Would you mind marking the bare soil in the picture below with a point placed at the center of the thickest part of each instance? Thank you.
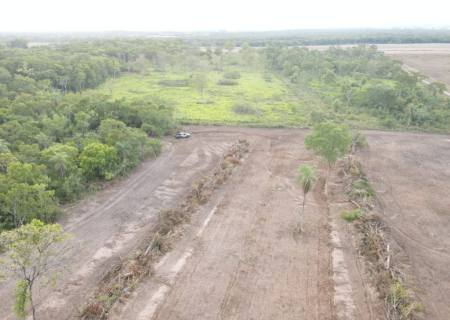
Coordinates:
(241, 256)
(411, 176)
(248, 261)
(434, 66)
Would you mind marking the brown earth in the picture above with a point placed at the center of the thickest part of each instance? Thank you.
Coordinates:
(248, 262)
(411, 176)
(241, 257)
(434, 66)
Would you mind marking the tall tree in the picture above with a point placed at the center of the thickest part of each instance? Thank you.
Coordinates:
(329, 141)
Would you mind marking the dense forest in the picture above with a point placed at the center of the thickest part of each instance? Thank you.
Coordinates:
(363, 80)
(64, 129)
(55, 142)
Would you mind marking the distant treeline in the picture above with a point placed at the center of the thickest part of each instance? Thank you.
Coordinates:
(255, 39)
(323, 37)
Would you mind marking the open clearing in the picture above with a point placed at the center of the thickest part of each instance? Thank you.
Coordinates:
(240, 258)
(266, 99)
(411, 176)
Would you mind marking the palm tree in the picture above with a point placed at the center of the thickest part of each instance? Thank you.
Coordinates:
(307, 178)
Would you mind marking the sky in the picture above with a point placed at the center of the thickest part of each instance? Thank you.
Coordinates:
(213, 15)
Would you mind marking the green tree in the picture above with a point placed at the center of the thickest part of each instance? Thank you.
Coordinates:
(27, 173)
(329, 141)
(199, 82)
(24, 202)
(60, 159)
(98, 160)
(5, 76)
(307, 178)
(32, 253)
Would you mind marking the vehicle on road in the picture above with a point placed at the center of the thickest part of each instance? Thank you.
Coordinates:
(182, 135)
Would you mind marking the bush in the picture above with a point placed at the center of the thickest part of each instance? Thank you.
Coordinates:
(359, 141)
(155, 146)
(400, 304)
(174, 83)
(361, 190)
(246, 109)
(351, 215)
(227, 82)
(232, 75)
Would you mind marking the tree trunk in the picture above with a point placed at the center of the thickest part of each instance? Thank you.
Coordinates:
(303, 211)
(327, 178)
(33, 308)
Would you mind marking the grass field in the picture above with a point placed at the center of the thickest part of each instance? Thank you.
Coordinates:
(267, 101)
(259, 99)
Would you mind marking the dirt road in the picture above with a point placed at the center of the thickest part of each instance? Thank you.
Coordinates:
(411, 175)
(111, 222)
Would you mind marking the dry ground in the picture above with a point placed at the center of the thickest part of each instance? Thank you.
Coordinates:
(411, 176)
(434, 66)
(240, 257)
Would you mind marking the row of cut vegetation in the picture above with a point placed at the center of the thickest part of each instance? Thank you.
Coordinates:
(125, 275)
(375, 246)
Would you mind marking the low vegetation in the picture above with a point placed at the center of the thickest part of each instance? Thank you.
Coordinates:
(351, 215)
(307, 178)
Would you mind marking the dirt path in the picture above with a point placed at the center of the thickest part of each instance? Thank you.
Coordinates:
(411, 175)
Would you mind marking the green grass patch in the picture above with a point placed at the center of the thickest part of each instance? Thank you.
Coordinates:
(272, 103)
(351, 215)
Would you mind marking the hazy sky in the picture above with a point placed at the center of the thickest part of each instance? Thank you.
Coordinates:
(231, 15)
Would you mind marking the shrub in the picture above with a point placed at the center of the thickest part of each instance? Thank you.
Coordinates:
(351, 215)
(227, 82)
(359, 141)
(174, 83)
(400, 304)
(242, 108)
(232, 75)
(362, 190)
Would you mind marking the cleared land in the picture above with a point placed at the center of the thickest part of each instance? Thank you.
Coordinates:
(434, 66)
(240, 257)
(411, 176)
